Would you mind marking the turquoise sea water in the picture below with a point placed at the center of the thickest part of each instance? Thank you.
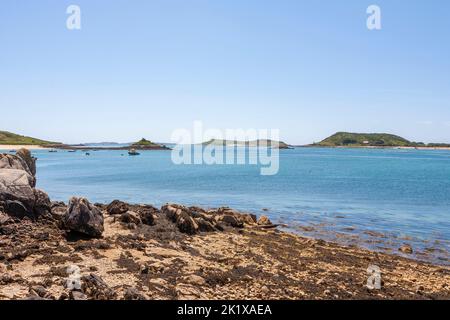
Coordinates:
(337, 194)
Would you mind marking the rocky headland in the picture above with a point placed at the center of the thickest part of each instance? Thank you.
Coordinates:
(81, 250)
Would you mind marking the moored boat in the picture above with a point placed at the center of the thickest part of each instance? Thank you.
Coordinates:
(133, 152)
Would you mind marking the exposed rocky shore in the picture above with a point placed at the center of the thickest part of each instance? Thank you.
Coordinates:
(79, 250)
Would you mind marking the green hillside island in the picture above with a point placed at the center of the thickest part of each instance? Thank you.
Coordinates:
(145, 144)
(264, 143)
(347, 139)
(8, 138)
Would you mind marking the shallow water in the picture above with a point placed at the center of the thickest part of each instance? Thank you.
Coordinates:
(339, 194)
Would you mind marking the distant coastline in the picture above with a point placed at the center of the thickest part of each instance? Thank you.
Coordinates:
(371, 147)
(12, 141)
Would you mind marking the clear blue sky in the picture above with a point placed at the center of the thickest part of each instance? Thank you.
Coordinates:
(146, 67)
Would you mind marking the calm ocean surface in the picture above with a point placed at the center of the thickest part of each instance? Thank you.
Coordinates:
(339, 194)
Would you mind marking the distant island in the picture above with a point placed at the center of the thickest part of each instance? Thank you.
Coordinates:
(142, 144)
(8, 138)
(264, 143)
(348, 139)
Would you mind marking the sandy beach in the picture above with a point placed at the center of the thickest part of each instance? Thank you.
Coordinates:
(17, 147)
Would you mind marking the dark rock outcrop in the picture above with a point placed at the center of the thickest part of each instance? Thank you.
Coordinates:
(130, 217)
(231, 220)
(181, 217)
(117, 207)
(147, 214)
(186, 223)
(193, 219)
(42, 203)
(16, 185)
(83, 217)
(26, 156)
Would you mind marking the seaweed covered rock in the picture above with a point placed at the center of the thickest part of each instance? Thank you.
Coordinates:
(81, 216)
(193, 219)
(181, 217)
(147, 213)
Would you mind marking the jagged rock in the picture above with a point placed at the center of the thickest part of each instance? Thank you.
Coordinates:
(58, 209)
(181, 217)
(101, 206)
(42, 204)
(264, 221)
(30, 161)
(205, 226)
(147, 214)
(56, 204)
(130, 217)
(249, 218)
(134, 294)
(94, 287)
(232, 221)
(16, 209)
(193, 219)
(234, 218)
(15, 162)
(16, 185)
(117, 207)
(17, 181)
(171, 211)
(186, 223)
(83, 217)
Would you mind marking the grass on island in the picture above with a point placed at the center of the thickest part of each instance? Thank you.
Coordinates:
(8, 138)
(341, 139)
(145, 143)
